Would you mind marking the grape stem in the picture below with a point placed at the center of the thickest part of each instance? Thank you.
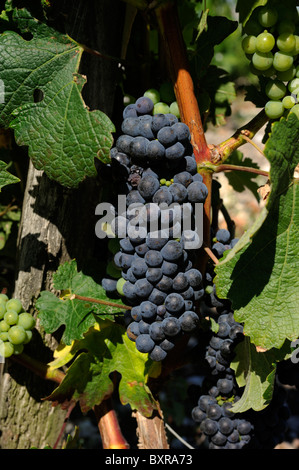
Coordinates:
(98, 301)
(106, 417)
(227, 167)
(178, 69)
(222, 151)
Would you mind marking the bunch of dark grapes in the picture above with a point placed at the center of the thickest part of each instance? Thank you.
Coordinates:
(271, 43)
(154, 167)
(223, 428)
(15, 326)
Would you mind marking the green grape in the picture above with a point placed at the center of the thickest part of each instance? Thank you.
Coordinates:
(282, 61)
(166, 93)
(161, 108)
(14, 304)
(6, 349)
(265, 42)
(288, 102)
(274, 109)
(11, 317)
(153, 94)
(287, 75)
(2, 310)
(28, 336)
(295, 51)
(267, 16)
(18, 348)
(293, 86)
(119, 286)
(297, 71)
(275, 89)
(4, 326)
(4, 336)
(252, 27)
(295, 110)
(113, 270)
(26, 321)
(16, 334)
(249, 44)
(3, 297)
(286, 42)
(286, 26)
(262, 60)
(162, 181)
(174, 109)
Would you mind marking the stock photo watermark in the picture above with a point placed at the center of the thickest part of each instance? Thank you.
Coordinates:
(137, 221)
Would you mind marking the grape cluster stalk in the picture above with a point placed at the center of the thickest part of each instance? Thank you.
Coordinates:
(154, 167)
(271, 43)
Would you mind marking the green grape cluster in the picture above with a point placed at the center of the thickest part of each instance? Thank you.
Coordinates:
(164, 99)
(271, 43)
(15, 326)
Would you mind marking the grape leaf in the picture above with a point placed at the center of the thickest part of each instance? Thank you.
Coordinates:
(89, 379)
(6, 177)
(260, 274)
(245, 8)
(76, 315)
(256, 372)
(240, 180)
(44, 105)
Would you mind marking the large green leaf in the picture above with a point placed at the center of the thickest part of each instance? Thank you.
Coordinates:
(76, 315)
(260, 274)
(89, 379)
(44, 105)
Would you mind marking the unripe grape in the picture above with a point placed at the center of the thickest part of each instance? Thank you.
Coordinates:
(262, 60)
(286, 27)
(265, 42)
(275, 89)
(267, 16)
(295, 110)
(11, 317)
(16, 334)
(282, 61)
(293, 86)
(153, 95)
(287, 75)
(120, 285)
(161, 108)
(249, 44)
(28, 336)
(288, 102)
(18, 348)
(3, 297)
(286, 42)
(26, 321)
(174, 109)
(14, 304)
(4, 326)
(274, 109)
(6, 349)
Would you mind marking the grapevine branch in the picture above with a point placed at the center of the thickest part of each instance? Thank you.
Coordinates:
(98, 301)
(178, 68)
(111, 435)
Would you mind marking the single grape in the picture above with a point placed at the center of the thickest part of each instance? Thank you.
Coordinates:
(166, 92)
(174, 109)
(16, 334)
(286, 26)
(249, 44)
(4, 297)
(286, 75)
(293, 86)
(4, 326)
(28, 336)
(119, 286)
(153, 95)
(295, 110)
(11, 317)
(288, 102)
(275, 89)
(274, 109)
(18, 348)
(144, 105)
(7, 349)
(286, 42)
(144, 343)
(197, 192)
(188, 321)
(267, 16)
(171, 326)
(262, 60)
(161, 108)
(26, 321)
(282, 61)
(265, 42)
(14, 304)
